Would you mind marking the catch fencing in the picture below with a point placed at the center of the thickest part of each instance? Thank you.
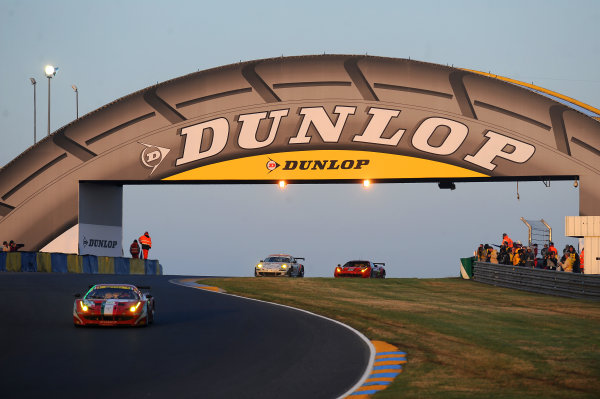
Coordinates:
(71, 263)
(551, 282)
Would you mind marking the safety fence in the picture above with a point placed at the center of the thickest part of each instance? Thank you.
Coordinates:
(71, 263)
(551, 282)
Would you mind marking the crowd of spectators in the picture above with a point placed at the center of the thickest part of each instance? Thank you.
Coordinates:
(11, 246)
(516, 254)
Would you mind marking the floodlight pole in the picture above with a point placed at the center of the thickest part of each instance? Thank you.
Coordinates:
(76, 101)
(49, 77)
(50, 72)
(33, 82)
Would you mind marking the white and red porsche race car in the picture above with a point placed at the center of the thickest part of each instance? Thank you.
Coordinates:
(279, 265)
(114, 305)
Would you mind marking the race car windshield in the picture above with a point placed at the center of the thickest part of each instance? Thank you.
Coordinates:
(277, 259)
(111, 293)
(356, 264)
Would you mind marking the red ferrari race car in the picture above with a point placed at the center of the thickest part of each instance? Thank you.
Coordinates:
(360, 268)
(114, 305)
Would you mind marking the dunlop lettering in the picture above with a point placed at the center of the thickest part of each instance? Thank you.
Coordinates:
(377, 125)
(102, 243)
(518, 151)
(333, 164)
(317, 116)
(209, 138)
(250, 122)
(457, 135)
(194, 136)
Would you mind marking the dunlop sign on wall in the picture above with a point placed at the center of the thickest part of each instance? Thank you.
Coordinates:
(312, 118)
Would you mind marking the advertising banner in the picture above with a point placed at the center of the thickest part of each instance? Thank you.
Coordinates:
(100, 240)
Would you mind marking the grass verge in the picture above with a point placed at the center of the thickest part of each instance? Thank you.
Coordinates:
(463, 339)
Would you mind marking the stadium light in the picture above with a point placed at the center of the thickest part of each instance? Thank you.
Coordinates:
(50, 72)
(366, 183)
(282, 184)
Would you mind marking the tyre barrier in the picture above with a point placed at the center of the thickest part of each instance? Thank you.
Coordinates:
(70, 263)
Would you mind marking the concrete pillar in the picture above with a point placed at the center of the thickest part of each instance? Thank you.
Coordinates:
(100, 219)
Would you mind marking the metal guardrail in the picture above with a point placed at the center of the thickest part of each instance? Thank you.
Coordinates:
(550, 282)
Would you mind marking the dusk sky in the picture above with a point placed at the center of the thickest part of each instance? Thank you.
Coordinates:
(110, 49)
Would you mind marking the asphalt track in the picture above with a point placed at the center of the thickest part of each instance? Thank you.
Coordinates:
(202, 345)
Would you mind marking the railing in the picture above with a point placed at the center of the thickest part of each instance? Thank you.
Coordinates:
(551, 282)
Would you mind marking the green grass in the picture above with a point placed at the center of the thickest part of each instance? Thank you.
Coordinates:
(463, 339)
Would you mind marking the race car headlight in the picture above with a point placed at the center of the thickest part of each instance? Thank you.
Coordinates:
(259, 266)
(338, 269)
(365, 269)
(284, 266)
(86, 305)
(134, 308)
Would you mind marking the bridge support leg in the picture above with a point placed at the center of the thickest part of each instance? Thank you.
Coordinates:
(101, 219)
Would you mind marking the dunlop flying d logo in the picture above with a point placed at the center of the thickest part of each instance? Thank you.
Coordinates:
(152, 156)
(272, 165)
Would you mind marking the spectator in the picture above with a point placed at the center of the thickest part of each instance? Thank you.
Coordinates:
(494, 256)
(134, 249)
(529, 258)
(522, 256)
(516, 259)
(544, 254)
(567, 260)
(506, 239)
(480, 253)
(14, 247)
(574, 257)
(581, 259)
(504, 255)
(552, 258)
(146, 242)
(5, 247)
(488, 253)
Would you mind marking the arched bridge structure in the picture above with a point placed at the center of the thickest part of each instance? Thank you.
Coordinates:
(325, 118)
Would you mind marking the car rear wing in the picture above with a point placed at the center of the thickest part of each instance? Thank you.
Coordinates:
(295, 257)
(379, 263)
(144, 287)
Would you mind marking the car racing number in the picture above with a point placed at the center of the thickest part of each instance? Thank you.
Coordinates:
(109, 307)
